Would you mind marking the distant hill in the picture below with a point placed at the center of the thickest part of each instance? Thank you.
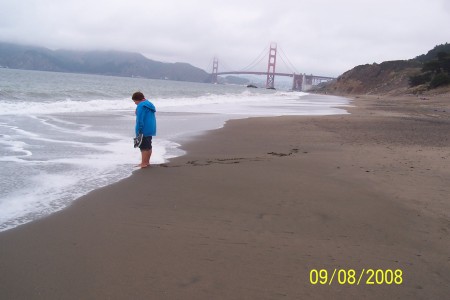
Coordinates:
(115, 63)
(389, 77)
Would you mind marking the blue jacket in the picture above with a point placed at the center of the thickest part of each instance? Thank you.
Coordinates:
(145, 119)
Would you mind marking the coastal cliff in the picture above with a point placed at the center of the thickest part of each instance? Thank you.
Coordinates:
(425, 74)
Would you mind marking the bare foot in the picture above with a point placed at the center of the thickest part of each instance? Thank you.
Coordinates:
(141, 166)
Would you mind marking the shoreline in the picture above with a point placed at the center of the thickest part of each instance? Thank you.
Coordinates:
(252, 208)
(100, 167)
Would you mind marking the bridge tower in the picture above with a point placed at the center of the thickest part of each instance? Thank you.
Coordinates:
(297, 82)
(215, 70)
(271, 66)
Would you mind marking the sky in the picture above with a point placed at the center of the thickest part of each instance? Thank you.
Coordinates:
(320, 37)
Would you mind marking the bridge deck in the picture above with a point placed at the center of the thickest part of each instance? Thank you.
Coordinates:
(254, 73)
(276, 74)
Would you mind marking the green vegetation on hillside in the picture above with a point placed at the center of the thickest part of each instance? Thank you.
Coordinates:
(436, 68)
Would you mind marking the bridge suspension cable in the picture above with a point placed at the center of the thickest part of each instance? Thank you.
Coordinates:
(224, 66)
(257, 60)
(291, 67)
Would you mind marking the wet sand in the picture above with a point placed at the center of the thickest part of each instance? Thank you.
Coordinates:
(253, 208)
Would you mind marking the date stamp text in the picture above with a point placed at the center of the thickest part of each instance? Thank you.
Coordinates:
(356, 277)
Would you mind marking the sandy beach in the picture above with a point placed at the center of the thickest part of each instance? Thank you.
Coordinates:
(253, 208)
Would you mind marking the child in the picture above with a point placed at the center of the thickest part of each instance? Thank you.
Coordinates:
(145, 126)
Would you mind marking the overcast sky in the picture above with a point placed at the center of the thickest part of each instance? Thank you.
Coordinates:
(322, 37)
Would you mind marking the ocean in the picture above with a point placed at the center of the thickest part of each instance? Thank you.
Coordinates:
(63, 135)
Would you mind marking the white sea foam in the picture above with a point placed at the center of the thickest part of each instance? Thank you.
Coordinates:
(230, 103)
(66, 179)
(65, 106)
(22, 206)
(13, 146)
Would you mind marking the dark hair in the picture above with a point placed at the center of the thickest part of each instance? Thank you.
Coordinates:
(138, 96)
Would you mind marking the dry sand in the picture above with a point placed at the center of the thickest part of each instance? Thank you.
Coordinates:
(253, 208)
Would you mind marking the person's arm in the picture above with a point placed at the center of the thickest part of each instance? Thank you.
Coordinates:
(140, 117)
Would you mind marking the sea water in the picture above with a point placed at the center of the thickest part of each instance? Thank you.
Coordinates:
(63, 135)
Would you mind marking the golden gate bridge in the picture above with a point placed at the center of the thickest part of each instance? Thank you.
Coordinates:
(300, 82)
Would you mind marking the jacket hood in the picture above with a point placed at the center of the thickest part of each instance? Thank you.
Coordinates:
(147, 104)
